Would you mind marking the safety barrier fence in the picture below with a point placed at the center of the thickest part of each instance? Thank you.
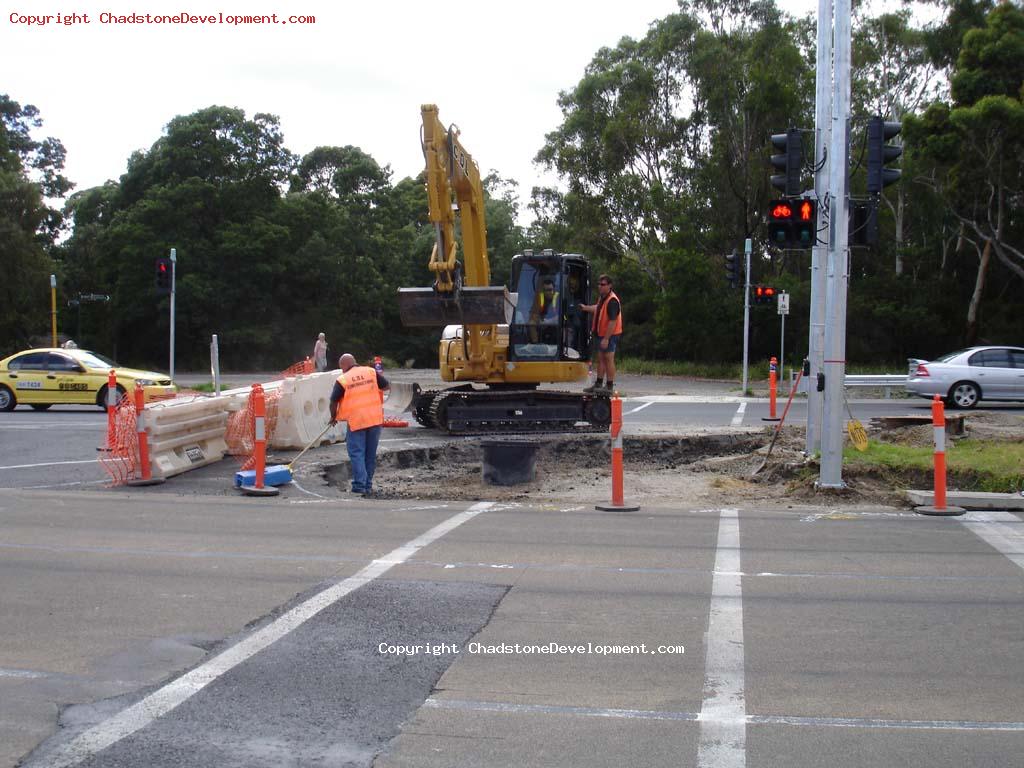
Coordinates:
(195, 429)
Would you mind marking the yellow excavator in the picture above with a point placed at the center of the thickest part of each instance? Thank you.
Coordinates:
(498, 344)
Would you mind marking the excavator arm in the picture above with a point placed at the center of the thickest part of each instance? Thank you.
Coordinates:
(461, 294)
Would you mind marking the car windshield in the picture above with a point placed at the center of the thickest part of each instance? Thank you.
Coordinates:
(93, 360)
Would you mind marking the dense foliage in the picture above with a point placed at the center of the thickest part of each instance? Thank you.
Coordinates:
(662, 153)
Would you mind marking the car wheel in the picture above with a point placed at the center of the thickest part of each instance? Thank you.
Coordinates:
(101, 396)
(7, 399)
(963, 394)
(40, 406)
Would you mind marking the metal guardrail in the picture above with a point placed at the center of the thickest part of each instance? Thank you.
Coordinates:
(876, 380)
(885, 381)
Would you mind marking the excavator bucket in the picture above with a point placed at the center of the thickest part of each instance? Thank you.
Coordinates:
(474, 306)
(401, 397)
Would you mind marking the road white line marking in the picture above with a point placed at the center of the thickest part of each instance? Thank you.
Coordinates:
(62, 485)
(640, 407)
(53, 425)
(647, 714)
(554, 709)
(1001, 530)
(723, 715)
(738, 418)
(163, 700)
(49, 464)
(22, 674)
(870, 722)
(685, 399)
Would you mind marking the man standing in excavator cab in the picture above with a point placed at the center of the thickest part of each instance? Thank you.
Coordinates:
(356, 399)
(607, 328)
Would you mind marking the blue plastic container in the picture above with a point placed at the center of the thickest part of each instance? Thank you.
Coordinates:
(278, 474)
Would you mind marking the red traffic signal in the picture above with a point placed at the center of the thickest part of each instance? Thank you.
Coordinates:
(764, 294)
(163, 275)
(793, 223)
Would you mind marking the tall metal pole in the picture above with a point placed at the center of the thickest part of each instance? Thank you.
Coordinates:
(831, 475)
(782, 348)
(747, 247)
(174, 272)
(819, 253)
(53, 310)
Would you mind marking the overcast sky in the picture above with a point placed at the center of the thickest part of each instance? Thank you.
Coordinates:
(356, 76)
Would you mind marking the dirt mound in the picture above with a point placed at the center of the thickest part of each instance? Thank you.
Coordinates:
(711, 468)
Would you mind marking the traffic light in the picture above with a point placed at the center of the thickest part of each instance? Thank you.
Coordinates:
(790, 161)
(805, 223)
(880, 153)
(163, 275)
(780, 216)
(763, 294)
(731, 269)
(864, 223)
(793, 223)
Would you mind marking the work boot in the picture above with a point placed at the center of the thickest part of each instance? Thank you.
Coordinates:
(593, 389)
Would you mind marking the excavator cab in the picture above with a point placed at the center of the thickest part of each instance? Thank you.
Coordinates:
(548, 324)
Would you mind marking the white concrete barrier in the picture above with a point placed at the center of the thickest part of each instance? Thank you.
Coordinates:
(186, 433)
(303, 411)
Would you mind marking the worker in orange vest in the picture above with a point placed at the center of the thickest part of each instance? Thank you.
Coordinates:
(356, 399)
(607, 328)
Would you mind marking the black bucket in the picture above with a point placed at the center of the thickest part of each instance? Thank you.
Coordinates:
(474, 306)
(509, 462)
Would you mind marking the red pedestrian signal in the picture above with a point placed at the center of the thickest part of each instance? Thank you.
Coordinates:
(793, 223)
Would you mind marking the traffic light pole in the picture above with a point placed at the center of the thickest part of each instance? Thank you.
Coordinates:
(838, 272)
(819, 253)
(747, 247)
(174, 273)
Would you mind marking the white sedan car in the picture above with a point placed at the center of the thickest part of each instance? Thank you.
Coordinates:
(968, 376)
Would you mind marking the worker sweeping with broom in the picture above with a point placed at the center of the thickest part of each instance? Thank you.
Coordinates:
(356, 399)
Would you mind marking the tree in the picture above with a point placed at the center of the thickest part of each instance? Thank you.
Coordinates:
(30, 173)
(972, 150)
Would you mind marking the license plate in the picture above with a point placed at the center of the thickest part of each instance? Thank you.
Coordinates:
(194, 453)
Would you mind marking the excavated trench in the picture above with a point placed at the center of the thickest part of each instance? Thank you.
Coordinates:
(564, 464)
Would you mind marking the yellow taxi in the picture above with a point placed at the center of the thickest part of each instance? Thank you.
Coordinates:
(44, 377)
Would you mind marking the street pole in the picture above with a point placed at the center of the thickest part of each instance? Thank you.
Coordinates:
(174, 272)
(53, 310)
(215, 364)
(834, 363)
(782, 345)
(747, 247)
(819, 253)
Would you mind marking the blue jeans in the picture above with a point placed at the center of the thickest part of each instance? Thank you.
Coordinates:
(362, 454)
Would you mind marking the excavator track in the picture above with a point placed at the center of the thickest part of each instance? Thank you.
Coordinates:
(508, 412)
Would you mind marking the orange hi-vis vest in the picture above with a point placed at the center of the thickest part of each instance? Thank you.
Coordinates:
(601, 318)
(361, 407)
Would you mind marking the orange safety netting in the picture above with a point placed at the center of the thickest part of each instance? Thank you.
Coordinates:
(121, 461)
(241, 432)
(300, 368)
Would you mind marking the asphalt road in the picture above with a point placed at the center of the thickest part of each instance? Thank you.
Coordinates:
(808, 637)
(186, 626)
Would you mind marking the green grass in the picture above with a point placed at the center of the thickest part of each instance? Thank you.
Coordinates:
(756, 369)
(980, 464)
(728, 371)
(204, 387)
